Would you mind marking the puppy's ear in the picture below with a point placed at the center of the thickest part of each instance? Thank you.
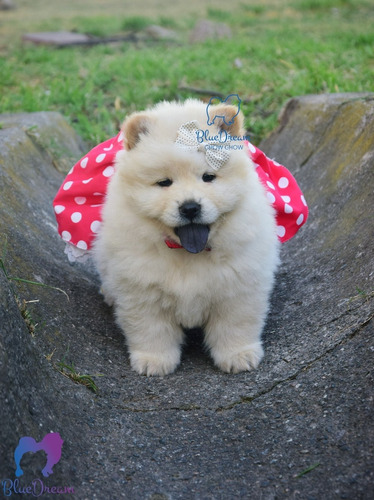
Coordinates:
(136, 125)
(229, 119)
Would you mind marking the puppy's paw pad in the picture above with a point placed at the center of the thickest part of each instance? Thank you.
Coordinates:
(153, 364)
(235, 362)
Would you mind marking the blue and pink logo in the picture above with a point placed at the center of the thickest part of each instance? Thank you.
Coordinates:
(51, 444)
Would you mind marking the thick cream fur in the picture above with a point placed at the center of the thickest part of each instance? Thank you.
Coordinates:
(158, 291)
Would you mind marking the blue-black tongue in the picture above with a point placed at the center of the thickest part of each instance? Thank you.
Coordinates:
(193, 237)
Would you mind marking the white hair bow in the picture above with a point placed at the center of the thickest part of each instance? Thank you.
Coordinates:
(216, 152)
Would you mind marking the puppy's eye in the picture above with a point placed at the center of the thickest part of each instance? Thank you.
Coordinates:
(165, 183)
(208, 177)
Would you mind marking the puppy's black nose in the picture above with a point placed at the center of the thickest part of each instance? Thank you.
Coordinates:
(190, 209)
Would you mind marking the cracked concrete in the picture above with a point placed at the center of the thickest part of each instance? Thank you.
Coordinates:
(298, 427)
(309, 366)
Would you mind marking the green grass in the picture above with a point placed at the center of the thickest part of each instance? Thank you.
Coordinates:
(69, 371)
(287, 48)
(307, 470)
(26, 315)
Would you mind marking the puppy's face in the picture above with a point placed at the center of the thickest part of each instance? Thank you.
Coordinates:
(174, 187)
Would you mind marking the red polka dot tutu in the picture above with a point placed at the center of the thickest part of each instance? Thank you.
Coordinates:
(80, 199)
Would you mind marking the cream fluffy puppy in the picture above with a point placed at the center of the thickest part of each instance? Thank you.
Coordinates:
(221, 277)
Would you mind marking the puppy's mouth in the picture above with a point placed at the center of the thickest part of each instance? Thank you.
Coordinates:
(194, 237)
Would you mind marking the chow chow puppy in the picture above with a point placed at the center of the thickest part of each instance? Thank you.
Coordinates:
(187, 240)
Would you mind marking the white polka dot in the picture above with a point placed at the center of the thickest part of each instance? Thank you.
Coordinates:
(276, 163)
(300, 219)
(288, 209)
(82, 245)
(303, 200)
(120, 137)
(80, 200)
(71, 171)
(95, 226)
(271, 186)
(286, 199)
(59, 209)
(95, 206)
(76, 217)
(67, 185)
(270, 197)
(108, 149)
(108, 171)
(86, 181)
(100, 158)
(251, 147)
(84, 162)
(283, 182)
(66, 236)
(98, 194)
(281, 231)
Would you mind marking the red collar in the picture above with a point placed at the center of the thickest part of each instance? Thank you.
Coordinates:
(174, 244)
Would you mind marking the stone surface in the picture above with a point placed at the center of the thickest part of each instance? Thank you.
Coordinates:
(7, 5)
(59, 38)
(62, 39)
(160, 33)
(206, 30)
(198, 433)
(45, 134)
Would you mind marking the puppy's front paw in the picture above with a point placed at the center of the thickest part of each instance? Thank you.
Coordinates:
(146, 363)
(234, 362)
(108, 298)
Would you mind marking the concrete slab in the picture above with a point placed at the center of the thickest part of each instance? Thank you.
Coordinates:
(298, 427)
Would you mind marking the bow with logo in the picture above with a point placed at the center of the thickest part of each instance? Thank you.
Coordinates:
(215, 154)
